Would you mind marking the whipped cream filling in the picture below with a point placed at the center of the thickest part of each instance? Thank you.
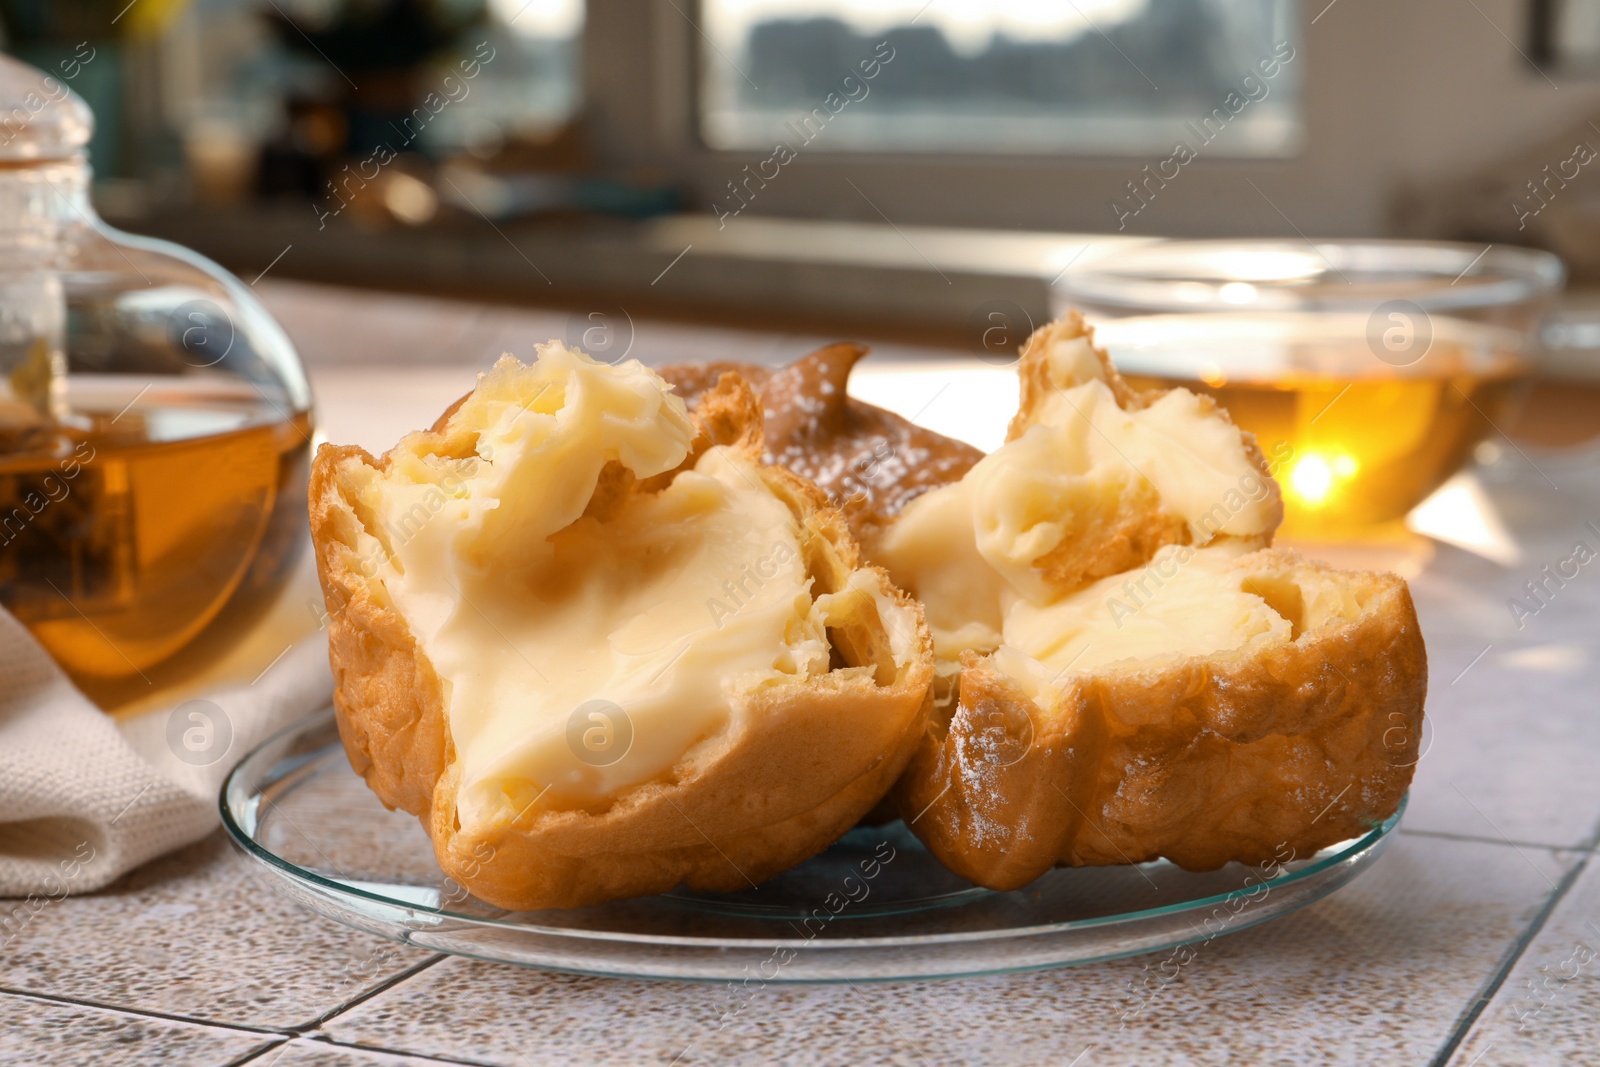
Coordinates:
(972, 551)
(1184, 602)
(588, 642)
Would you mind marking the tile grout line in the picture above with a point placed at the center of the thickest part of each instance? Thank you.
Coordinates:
(1513, 955)
(1581, 848)
(289, 1041)
(382, 987)
(393, 1051)
(284, 1032)
(146, 1013)
(251, 1057)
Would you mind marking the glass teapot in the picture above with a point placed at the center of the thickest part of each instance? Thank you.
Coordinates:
(155, 422)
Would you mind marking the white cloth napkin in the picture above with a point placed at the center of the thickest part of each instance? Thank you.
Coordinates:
(84, 798)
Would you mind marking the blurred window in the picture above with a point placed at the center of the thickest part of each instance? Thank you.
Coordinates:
(1566, 34)
(1090, 77)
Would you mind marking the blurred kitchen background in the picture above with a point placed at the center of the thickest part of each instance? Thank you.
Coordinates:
(884, 166)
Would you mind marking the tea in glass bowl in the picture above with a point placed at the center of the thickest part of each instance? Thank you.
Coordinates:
(1352, 440)
(1368, 373)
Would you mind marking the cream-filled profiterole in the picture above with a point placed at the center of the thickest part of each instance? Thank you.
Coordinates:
(599, 641)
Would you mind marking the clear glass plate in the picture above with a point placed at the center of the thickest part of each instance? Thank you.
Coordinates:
(876, 905)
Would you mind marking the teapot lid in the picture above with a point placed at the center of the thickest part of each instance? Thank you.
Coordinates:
(40, 118)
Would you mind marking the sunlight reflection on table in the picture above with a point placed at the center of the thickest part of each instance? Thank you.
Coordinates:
(962, 398)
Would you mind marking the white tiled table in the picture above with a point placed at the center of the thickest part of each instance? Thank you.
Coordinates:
(1474, 941)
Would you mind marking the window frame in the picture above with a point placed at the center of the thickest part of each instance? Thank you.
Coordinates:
(1392, 100)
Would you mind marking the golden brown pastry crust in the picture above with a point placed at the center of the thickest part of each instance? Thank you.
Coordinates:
(1233, 756)
(720, 819)
(1130, 533)
(1036, 381)
(868, 461)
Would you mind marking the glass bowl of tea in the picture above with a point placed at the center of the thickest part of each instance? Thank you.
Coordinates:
(1369, 371)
